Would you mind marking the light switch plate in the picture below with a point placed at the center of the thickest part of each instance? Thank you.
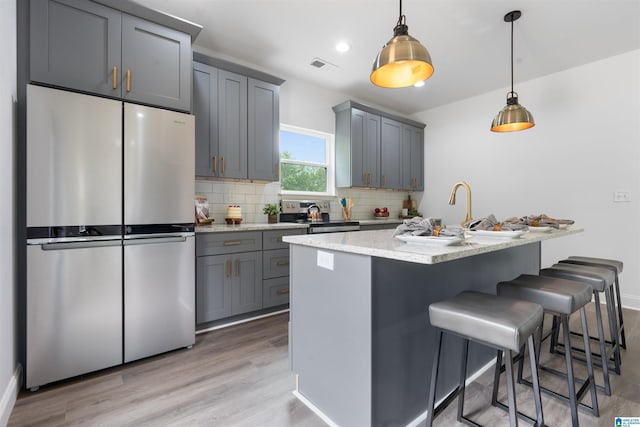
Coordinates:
(325, 260)
(621, 196)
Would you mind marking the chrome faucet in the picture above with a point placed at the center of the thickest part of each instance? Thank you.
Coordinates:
(452, 200)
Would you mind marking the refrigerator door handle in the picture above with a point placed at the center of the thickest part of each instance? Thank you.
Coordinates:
(79, 245)
(155, 240)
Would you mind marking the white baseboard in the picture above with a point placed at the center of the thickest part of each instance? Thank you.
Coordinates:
(10, 395)
(631, 302)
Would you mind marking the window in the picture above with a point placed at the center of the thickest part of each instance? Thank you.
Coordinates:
(306, 161)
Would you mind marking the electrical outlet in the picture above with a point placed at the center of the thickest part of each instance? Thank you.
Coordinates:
(621, 196)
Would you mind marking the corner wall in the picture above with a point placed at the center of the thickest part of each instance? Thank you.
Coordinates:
(584, 147)
(9, 369)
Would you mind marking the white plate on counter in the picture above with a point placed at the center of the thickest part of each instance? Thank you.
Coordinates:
(541, 229)
(430, 240)
(506, 234)
(563, 226)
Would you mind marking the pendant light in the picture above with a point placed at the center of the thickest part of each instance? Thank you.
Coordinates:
(403, 61)
(513, 116)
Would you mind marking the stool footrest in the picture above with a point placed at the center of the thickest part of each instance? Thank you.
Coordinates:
(579, 395)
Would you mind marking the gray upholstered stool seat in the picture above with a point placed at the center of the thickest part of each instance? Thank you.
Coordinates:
(499, 322)
(615, 266)
(600, 280)
(562, 298)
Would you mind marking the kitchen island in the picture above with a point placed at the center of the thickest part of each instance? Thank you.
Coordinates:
(360, 339)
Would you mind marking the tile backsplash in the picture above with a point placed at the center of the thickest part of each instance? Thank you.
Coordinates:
(253, 196)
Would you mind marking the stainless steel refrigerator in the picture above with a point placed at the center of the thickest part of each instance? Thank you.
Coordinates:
(110, 249)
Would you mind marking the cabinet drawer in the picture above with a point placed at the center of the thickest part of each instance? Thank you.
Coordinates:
(226, 243)
(275, 263)
(272, 239)
(275, 292)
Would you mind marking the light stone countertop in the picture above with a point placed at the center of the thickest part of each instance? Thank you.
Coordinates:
(223, 227)
(380, 243)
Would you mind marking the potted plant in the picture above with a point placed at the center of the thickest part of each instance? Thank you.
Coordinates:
(272, 211)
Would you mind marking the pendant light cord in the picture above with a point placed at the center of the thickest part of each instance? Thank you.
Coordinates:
(511, 55)
(401, 18)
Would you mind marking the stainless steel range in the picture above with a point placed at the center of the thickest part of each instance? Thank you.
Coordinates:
(316, 214)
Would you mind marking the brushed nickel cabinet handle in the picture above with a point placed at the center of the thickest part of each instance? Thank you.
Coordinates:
(128, 80)
(282, 263)
(215, 164)
(115, 77)
(384, 180)
(222, 161)
(228, 268)
(237, 267)
(282, 291)
(231, 243)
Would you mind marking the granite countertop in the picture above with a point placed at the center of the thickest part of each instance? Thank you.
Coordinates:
(258, 226)
(380, 243)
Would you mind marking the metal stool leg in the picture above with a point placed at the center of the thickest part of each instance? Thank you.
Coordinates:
(570, 378)
(613, 326)
(434, 379)
(591, 378)
(623, 340)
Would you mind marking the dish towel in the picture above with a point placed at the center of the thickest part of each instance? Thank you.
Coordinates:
(418, 226)
(489, 222)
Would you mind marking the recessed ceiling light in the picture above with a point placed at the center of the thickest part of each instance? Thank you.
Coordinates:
(419, 84)
(343, 47)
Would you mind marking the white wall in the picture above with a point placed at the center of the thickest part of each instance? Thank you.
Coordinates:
(585, 145)
(8, 96)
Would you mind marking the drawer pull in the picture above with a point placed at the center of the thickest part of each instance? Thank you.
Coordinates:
(231, 243)
(282, 291)
(282, 263)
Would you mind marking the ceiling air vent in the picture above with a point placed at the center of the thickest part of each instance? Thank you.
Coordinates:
(319, 63)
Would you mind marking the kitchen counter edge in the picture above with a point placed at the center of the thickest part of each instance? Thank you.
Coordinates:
(225, 228)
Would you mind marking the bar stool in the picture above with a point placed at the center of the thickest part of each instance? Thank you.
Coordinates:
(600, 280)
(498, 322)
(616, 267)
(561, 298)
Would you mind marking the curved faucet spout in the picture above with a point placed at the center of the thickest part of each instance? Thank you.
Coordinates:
(452, 199)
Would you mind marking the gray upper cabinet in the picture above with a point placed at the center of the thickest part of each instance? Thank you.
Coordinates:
(85, 46)
(390, 154)
(232, 124)
(205, 108)
(237, 122)
(263, 130)
(156, 64)
(357, 148)
(76, 44)
(417, 159)
(377, 150)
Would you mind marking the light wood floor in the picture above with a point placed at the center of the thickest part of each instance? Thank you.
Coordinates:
(239, 376)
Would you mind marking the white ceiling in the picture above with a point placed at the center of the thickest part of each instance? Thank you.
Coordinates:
(468, 40)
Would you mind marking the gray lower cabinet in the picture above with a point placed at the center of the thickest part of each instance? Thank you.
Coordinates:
(241, 272)
(228, 285)
(85, 46)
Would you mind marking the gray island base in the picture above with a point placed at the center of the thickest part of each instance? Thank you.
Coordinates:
(360, 339)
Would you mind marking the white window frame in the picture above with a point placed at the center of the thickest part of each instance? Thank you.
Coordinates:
(329, 158)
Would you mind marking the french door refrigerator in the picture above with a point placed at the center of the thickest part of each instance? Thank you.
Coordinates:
(110, 249)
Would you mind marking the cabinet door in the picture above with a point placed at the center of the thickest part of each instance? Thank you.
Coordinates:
(205, 108)
(246, 293)
(358, 135)
(156, 64)
(76, 44)
(390, 154)
(417, 159)
(263, 130)
(371, 155)
(232, 124)
(213, 287)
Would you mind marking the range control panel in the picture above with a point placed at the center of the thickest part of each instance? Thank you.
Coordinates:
(302, 206)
